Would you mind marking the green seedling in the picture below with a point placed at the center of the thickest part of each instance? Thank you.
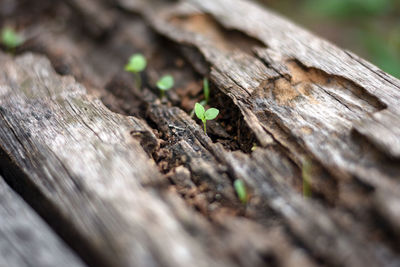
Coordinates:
(204, 115)
(306, 175)
(241, 191)
(11, 39)
(164, 84)
(206, 92)
(136, 64)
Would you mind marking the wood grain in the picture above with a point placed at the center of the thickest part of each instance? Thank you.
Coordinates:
(286, 97)
(83, 160)
(26, 240)
(314, 99)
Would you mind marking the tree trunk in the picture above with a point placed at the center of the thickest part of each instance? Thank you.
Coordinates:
(128, 179)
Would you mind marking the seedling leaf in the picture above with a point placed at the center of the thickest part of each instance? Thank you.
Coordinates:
(241, 191)
(137, 63)
(10, 38)
(211, 114)
(165, 83)
(199, 110)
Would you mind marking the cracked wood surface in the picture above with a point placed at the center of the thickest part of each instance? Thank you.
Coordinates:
(83, 161)
(312, 98)
(91, 177)
(296, 96)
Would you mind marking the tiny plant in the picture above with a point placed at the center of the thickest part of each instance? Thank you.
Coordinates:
(136, 64)
(306, 175)
(164, 84)
(206, 92)
(241, 191)
(204, 115)
(11, 39)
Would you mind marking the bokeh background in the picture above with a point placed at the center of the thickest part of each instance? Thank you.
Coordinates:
(369, 28)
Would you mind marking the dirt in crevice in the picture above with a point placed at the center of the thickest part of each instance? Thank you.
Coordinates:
(198, 192)
(121, 97)
(236, 134)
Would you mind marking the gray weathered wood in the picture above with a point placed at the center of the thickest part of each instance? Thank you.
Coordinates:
(310, 96)
(297, 97)
(25, 239)
(83, 160)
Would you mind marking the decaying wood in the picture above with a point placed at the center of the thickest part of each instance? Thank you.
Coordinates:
(116, 181)
(82, 158)
(25, 239)
(105, 196)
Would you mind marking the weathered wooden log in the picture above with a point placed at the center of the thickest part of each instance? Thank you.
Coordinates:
(83, 160)
(286, 97)
(25, 238)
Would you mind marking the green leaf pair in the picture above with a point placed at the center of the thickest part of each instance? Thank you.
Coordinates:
(204, 115)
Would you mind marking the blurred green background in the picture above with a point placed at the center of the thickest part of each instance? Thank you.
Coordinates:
(369, 28)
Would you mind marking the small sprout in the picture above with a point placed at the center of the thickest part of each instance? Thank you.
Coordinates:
(241, 191)
(164, 84)
(11, 39)
(306, 175)
(206, 90)
(204, 115)
(136, 64)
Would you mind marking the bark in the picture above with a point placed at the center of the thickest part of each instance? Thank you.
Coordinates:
(149, 187)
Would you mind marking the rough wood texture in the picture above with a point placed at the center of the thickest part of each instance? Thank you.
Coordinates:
(83, 160)
(289, 95)
(25, 240)
(83, 163)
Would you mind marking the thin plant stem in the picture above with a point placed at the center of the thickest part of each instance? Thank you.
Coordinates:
(162, 94)
(138, 80)
(11, 50)
(205, 129)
